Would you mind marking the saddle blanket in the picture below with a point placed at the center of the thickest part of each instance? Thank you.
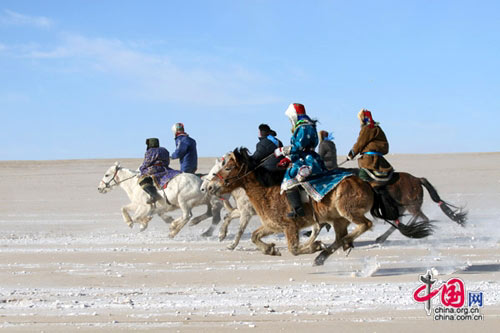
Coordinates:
(320, 186)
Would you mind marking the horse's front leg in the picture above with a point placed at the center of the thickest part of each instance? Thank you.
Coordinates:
(126, 215)
(165, 217)
(143, 215)
(245, 217)
(235, 213)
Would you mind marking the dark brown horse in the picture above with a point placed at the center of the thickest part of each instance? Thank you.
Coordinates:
(347, 203)
(407, 191)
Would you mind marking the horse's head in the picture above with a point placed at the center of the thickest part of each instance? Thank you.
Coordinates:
(227, 173)
(207, 179)
(109, 179)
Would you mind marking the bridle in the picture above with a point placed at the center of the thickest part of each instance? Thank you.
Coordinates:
(108, 183)
(233, 179)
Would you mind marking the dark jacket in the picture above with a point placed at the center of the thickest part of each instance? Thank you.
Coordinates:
(328, 153)
(186, 152)
(372, 140)
(263, 149)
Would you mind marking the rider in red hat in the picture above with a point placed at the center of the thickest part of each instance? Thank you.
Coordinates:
(372, 145)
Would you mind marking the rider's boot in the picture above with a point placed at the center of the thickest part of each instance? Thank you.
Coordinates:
(148, 187)
(295, 201)
(153, 194)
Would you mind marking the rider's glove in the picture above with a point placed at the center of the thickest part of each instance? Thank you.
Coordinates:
(284, 163)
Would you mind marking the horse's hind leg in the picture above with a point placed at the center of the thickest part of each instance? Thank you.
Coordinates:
(385, 235)
(312, 245)
(270, 249)
(216, 209)
(206, 215)
(180, 222)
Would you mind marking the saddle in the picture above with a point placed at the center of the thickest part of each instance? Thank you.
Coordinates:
(380, 178)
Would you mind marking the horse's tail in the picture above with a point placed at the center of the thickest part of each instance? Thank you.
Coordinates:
(458, 215)
(386, 208)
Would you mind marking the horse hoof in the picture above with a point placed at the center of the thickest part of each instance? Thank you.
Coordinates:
(379, 240)
(318, 246)
(142, 228)
(231, 247)
(320, 259)
(222, 237)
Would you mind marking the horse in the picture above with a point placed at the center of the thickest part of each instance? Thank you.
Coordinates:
(183, 192)
(244, 209)
(407, 191)
(347, 203)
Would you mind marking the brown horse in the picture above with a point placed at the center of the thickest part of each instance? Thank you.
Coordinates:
(407, 191)
(347, 203)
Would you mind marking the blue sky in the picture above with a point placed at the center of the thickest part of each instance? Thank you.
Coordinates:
(94, 79)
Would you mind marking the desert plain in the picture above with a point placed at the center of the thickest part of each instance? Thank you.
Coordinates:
(68, 262)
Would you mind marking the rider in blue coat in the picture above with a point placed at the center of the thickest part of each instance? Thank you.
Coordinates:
(305, 162)
(185, 149)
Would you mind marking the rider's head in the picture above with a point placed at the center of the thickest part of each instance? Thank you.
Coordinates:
(323, 135)
(152, 143)
(365, 118)
(177, 128)
(265, 130)
(296, 112)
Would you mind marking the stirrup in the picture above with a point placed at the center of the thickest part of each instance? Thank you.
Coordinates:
(293, 214)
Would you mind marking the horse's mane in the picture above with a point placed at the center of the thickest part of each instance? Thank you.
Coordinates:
(265, 177)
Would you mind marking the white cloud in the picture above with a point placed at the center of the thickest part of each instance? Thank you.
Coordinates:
(12, 18)
(157, 77)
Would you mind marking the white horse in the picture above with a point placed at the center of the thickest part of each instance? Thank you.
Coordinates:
(244, 209)
(183, 192)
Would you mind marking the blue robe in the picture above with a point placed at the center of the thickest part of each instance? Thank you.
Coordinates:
(156, 161)
(304, 140)
(186, 152)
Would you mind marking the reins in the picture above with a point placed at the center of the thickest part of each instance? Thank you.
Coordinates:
(108, 184)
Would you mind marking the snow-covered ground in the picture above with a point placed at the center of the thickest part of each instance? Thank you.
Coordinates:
(68, 261)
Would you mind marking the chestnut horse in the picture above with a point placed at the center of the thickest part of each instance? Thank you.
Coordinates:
(347, 203)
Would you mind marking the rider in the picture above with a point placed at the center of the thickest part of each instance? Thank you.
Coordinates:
(305, 162)
(185, 149)
(155, 169)
(327, 150)
(265, 147)
(372, 144)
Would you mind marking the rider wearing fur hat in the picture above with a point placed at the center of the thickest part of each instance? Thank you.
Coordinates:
(371, 144)
(305, 162)
(155, 169)
(185, 149)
